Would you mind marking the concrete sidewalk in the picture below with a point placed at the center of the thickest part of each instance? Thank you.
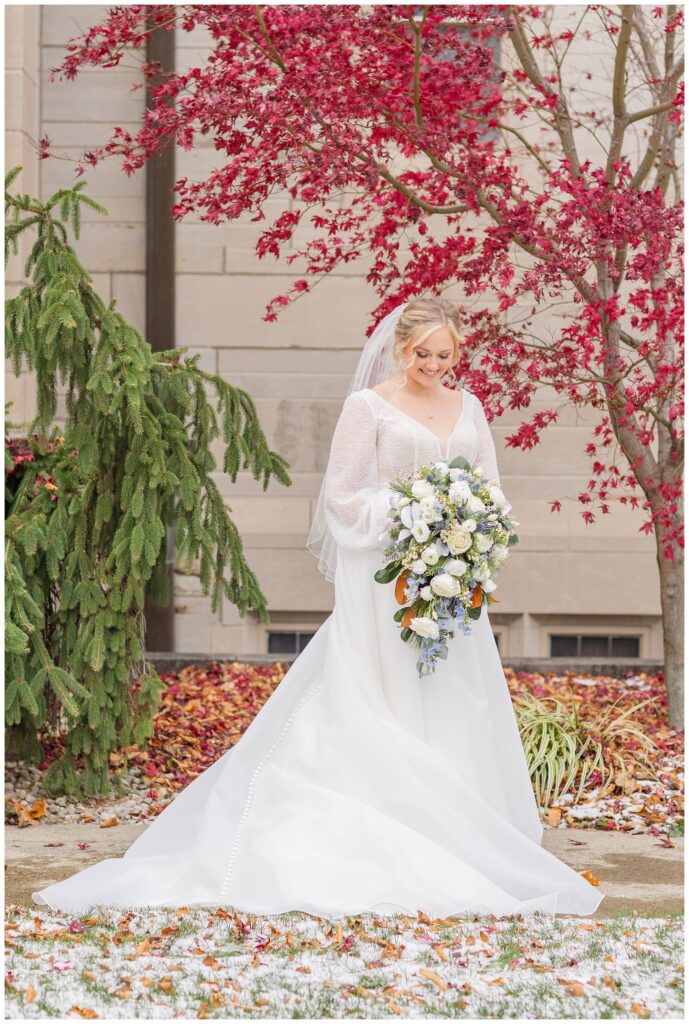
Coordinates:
(635, 872)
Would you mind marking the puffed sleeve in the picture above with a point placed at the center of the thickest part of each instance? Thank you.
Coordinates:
(485, 452)
(356, 505)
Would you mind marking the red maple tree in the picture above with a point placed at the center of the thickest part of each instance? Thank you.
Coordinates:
(394, 124)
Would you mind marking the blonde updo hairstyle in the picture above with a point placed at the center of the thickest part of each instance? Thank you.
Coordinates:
(419, 319)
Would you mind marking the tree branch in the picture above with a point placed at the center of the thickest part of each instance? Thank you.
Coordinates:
(418, 36)
(563, 122)
(649, 112)
(618, 98)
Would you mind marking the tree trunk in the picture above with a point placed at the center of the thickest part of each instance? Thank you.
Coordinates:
(672, 604)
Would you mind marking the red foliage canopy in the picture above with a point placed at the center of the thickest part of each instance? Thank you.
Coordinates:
(396, 132)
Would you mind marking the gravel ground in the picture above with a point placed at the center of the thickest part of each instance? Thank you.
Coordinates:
(655, 807)
(140, 801)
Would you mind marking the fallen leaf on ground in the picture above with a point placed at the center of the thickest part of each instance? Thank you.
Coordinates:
(432, 976)
(574, 988)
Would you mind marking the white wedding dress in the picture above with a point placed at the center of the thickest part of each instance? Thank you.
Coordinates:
(359, 786)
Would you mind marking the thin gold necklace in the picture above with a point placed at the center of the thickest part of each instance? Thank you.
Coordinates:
(430, 415)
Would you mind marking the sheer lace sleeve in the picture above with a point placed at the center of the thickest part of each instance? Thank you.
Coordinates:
(485, 453)
(355, 504)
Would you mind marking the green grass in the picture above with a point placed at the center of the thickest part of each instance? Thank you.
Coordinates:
(339, 984)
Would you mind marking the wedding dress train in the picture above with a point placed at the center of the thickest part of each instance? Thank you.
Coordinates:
(358, 786)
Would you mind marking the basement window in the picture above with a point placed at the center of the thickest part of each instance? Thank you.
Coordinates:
(583, 645)
(288, 642)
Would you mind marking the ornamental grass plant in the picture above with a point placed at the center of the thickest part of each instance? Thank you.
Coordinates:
(561, 747)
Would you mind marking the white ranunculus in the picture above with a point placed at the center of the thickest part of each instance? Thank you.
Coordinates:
(426, 593)
(429, 510)
(482, 572)
(445, 585)
(489, 586)
(459, 492)
(422, 488)
(455, 566)
(499, 552)
(420, 531)
(483, 542)
(425, 627)
(442, 467)
(496, 495)
(469, 524)
(419, 567)
(430, 554)
(474, 504)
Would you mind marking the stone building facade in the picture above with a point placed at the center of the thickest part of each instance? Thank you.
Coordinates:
(569, 588)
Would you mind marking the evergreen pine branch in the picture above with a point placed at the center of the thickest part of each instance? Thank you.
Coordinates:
(87, 542)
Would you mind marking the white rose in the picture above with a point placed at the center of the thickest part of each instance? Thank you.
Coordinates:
(474, 504)
(442, 467)
(445, 585)
(419, 567)
(455, 566)
(488, 586)
(420, 531)
(422, 489)
(426, 593)
(425, 627)
(458, 540)
(430, 555)
(482, 572)
(483, 542)
(499, 552)
(459, 492)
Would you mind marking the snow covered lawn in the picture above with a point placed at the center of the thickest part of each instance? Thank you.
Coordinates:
(200, 962)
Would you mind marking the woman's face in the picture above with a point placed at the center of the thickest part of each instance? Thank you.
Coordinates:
(432, 358)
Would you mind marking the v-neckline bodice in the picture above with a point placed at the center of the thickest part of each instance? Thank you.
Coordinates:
(442, 446)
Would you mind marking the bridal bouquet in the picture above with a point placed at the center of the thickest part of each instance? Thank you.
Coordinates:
(449, 534)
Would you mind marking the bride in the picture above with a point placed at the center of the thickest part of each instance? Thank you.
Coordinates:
(360, 786)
